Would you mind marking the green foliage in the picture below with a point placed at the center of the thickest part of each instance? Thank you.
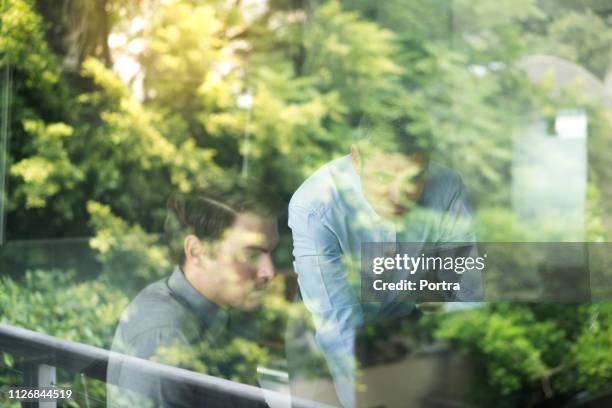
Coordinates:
(583, 37)
(382, 59)
(546, 351)
(126, 151)
(22, 45)
(88, 158)
(507, 342)
(352, 57)
(8, 359)
(50, 302)
(185, 42)
(590, 352)
(50, 169)
(131, 258)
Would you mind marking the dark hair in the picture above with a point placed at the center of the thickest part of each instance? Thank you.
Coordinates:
(208, 215)
(393, 134)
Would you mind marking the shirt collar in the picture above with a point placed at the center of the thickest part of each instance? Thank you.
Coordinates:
(348, 183)
(207, 311)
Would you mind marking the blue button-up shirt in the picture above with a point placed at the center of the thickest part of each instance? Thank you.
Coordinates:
(330, 219)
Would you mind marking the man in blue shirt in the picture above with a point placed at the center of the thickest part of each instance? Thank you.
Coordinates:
(385, 190)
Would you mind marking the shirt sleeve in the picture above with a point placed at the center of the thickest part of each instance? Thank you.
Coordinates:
(459, 234)
(324, 285)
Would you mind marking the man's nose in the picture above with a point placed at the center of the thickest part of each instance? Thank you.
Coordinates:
(266, 268)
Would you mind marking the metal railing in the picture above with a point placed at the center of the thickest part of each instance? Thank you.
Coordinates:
(43, 353)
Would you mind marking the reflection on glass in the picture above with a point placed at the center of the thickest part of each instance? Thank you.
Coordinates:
(108, 106)
(393, 195)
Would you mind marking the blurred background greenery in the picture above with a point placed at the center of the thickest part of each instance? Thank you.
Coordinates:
(116, 103)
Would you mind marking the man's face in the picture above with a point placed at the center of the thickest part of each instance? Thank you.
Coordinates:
(393, 182)
(244, 260)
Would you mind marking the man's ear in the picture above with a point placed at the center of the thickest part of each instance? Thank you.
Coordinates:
(192, 248)
(356, 158)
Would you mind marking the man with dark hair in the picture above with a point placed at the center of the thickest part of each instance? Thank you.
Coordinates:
(387, 190)
(223, 254)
